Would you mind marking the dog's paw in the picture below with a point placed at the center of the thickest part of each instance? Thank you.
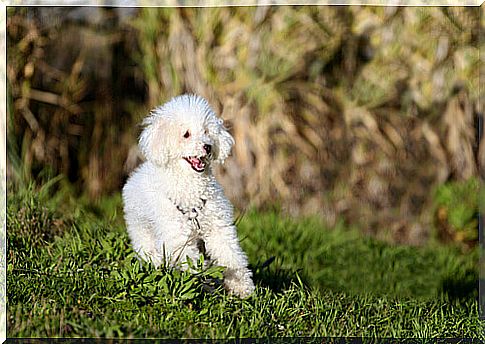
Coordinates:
(239, 282)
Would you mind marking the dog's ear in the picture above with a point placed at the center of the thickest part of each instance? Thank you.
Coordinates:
(153, 138)
(224, 143)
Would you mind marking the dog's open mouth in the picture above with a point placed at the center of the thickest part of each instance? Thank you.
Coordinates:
(198, 164)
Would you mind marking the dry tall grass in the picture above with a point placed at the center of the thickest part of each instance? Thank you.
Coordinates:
(348, 112)
(71, 97)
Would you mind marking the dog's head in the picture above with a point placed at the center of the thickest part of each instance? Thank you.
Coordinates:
(187, 132)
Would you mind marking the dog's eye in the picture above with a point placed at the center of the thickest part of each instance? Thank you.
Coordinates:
(187, 134)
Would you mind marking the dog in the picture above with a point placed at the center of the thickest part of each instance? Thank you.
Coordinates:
(174, 208)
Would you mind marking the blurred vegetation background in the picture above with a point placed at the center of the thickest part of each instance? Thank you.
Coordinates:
(366, 115)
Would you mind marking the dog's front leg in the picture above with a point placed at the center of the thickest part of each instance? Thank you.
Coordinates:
(223, 247)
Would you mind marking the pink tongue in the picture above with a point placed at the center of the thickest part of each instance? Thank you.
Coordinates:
(196, 162)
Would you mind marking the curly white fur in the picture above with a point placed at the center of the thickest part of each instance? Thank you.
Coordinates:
(173, 203)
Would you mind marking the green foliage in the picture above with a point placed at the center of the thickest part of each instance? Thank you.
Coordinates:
(85, 281)
(143, 283)
(29, 219)
(457, 205)
(341, 259)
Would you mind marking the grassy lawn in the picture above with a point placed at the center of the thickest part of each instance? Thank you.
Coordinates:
(71, 273)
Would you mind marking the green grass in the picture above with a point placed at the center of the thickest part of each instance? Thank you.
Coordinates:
(72, 273)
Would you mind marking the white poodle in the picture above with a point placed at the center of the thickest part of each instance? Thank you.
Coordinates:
(174, 207)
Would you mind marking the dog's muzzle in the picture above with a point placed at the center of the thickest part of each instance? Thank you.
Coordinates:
(198, 164)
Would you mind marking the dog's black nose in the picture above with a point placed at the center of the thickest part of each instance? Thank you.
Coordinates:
(207, 148)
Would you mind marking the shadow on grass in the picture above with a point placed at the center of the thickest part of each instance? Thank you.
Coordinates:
(276, 277)
(461, 287)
